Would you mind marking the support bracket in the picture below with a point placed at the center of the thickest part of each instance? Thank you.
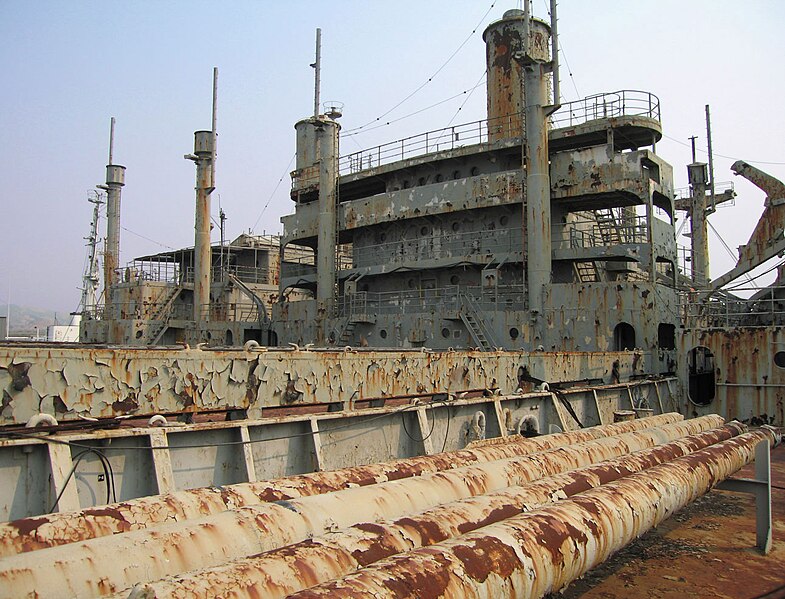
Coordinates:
(760, 486)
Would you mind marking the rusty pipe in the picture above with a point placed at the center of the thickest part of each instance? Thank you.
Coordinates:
(296, 567)
(90, 568)
(51, 530)
(542, 551)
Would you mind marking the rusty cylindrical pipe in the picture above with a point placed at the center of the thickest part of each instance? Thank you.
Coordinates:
(51, 530)
(90, 568)
(295, 567)
(542, 551)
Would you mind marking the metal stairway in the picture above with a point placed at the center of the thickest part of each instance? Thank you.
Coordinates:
(162, 316)
(347, 333)
(475, 324)
(608, 226)
(587, 272)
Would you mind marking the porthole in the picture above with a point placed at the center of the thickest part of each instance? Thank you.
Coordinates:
(475, 171)
(779, 359)
(514, 333)
(421, 181)
(439, 178)
(383, 333)
(446, 333)
(383, 237)
(410, 283)
(456, 174)
(504, 220)
(456, 226)
(406, 184)
(424, 231)
(455, 279)
(138, 334)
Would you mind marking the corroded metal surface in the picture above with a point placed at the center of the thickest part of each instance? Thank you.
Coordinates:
(540, 552)
(296, 567)
(749, 385)
(73, 383)
(704, 551)
(56, 529)
(91, 567)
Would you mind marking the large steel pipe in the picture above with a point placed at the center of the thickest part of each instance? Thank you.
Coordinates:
(287, 570)
(52, 530)
(542, 551)
(90, 568)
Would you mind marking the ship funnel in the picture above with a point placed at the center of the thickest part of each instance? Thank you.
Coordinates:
(204, 158)
(504, 46)
(115, 180)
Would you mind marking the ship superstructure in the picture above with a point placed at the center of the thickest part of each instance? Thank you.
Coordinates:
(432, 301)
(457, 242)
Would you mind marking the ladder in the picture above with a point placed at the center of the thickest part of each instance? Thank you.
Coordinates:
(161, 316)
(475, 324)
(608, 226)
(587, 271)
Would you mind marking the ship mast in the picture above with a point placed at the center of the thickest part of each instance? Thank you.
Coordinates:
(90, 280)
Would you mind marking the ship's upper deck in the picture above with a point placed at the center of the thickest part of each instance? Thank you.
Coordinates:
(633, 116)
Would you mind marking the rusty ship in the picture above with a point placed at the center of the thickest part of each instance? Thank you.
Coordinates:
(471, 365)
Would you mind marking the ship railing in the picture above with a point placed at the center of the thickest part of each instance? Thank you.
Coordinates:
(598, 106)
(591, 234)
(685, 193)
(220, 312)
(463, 245)
(439, 300)
(140, 270)
(247, 274)
(626, 102)
(761, 308)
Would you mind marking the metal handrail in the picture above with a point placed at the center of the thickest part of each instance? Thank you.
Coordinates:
(598, 106)
(589, 233)
(440, 300)
(767, 309)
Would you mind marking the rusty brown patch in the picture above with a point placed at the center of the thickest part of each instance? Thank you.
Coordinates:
(26, 526)
(129, 404)
(428, 530)
(496, 515)
(484, 555)
(420, 578)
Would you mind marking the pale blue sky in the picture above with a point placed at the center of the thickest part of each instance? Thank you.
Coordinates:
(67, 67)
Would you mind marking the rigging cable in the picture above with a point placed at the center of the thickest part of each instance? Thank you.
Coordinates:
(678, 141)
(431, 78)
(727, 247)
(416, 112)
(127, 230)
(277, 185)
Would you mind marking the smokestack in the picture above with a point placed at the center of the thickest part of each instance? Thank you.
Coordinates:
(504, 46)
(115, 180)
(204, 157)
(327, 144)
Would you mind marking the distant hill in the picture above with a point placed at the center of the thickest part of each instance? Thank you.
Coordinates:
(24, 319)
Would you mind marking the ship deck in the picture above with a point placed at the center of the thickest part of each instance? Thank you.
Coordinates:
(705, 550)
